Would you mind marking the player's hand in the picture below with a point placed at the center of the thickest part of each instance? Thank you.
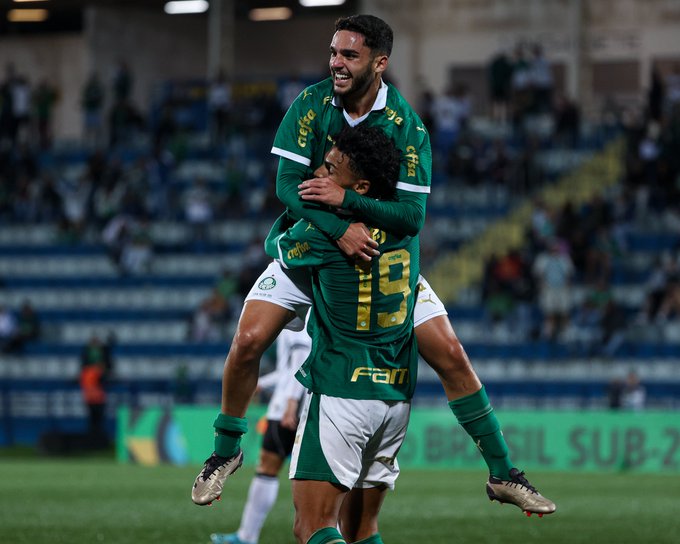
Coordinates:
(322, 190)
(289, 420)
(358, 243)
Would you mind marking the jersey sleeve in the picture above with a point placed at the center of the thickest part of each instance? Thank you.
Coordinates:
(296, 138)
(406, 216)
(301, 245)
(290, 174)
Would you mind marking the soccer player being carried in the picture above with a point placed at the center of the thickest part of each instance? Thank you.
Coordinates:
(361, 372)
(354, 94)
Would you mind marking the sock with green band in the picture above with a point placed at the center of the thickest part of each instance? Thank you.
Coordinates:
(475, 414)
(228, 433)
(327, 535)
(373, 539)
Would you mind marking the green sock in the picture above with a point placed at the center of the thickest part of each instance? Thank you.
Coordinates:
(228, 433)
(327, 535)
(373, 539)
(475, 414)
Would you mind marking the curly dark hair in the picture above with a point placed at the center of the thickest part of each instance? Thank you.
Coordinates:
(378, 35)
(372, 156)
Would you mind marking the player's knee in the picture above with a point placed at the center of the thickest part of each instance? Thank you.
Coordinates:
(249, 343)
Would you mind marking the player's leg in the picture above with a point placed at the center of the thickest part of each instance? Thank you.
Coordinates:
(442, 350)
(275, 299)
(359, 515)
(333, 440)
(277, 444)
(317, 506)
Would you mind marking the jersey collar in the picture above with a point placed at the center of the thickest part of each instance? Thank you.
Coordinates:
(379, 104)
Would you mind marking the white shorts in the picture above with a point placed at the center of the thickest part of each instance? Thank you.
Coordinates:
(349, 442)
(291, 288)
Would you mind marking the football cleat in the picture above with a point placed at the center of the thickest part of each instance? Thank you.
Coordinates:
(520, 492)
(210, 481)
(230, 538)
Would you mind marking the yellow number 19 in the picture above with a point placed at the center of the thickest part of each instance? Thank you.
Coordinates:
(387, 286)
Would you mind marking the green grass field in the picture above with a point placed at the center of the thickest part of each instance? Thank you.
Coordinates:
(88, 501)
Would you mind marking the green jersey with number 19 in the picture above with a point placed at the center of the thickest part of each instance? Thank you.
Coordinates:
(363, 342)
(306, 134)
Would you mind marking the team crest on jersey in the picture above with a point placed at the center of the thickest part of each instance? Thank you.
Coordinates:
(267, 283)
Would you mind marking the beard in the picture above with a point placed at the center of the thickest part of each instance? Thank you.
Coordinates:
(360, 83)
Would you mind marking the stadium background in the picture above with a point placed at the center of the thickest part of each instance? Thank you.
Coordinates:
(169, 313)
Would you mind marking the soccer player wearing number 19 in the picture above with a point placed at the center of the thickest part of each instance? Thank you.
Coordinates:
(361, 371)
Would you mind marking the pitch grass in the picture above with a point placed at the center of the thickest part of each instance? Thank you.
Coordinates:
(91, 501)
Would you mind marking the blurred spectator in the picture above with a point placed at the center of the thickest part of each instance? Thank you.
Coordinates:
(129, 243)
(603, 250)
(541, 81)
(655, 95)
(669, 308)
(92, 103)
(21, 109)
(7, 122)
(198, 201)
(663, 270)
(122, 82)
(209, 318)
(166, 128)
(28, 324)
(8, 330)
(614, 392)
(499, 163)
(95, 369)
(124, 123)
(599, 323)
(137, 251)
(613, 326)
(467, 158)
(45, 97)
(520, 85)
(673, 88)
(108, 200)
(567, 122)
(451, 113)
(500, 84)
(633, 394)
(219, 108)
(75, 198)
(554, 271)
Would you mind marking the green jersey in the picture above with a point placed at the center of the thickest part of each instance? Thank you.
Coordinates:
(305, 135)
(361, 322)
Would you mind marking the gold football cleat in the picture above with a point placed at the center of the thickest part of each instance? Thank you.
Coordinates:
(520, 492)
(210, 481)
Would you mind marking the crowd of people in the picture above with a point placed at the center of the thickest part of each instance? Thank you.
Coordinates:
(116, 199)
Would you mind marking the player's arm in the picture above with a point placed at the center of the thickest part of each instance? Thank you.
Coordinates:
(353, 238)
(298, 135)
(300, 245)
(403, 217)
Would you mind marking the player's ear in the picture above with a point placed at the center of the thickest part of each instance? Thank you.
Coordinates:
(380, 63)
(362, 186)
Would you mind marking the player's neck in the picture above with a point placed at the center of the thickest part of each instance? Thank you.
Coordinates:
(359, 106)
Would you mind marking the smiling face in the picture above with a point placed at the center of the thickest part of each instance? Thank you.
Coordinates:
(337, 168)
(354, 67)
